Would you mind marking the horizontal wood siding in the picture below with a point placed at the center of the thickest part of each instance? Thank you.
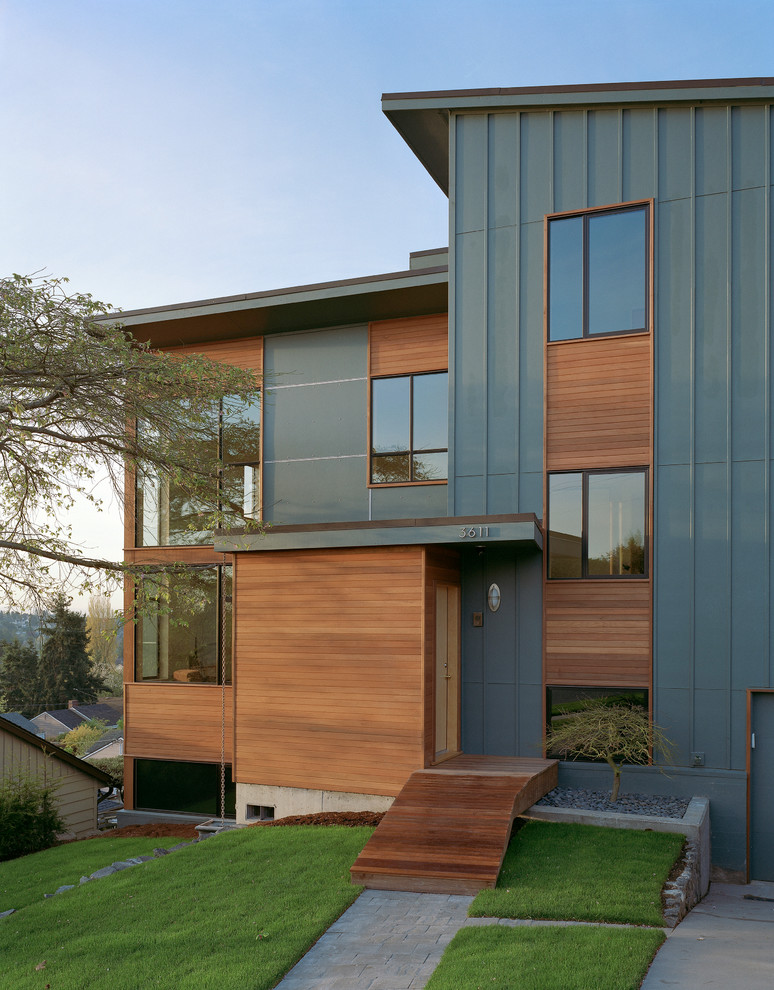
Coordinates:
(246, 353)
(598, 403)
(598, 633)
(413, 344)
(176, 721)
(330, 668)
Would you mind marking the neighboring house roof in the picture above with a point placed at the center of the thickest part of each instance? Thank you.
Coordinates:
(68, 718)
(54, 751)
(110, 737)
(18, 719)
(103, 710)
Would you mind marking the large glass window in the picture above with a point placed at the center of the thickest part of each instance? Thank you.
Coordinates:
(185, 788)
(166, 515)
(598, 273)
(597, 524)
(185, 642)
(563, 702)
(409, 428)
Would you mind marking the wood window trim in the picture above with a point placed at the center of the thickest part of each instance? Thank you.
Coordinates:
(410, 453)
(649, 206)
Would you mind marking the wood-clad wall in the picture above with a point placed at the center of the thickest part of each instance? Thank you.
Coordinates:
(176, 721)
(409, 345)
(598, 633)
(330, 668)
(598, 403)
(246, 353)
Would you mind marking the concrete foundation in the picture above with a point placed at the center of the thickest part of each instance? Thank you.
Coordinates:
(285, 801)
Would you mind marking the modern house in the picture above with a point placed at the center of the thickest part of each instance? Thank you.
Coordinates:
(76, 782)
(535, 470)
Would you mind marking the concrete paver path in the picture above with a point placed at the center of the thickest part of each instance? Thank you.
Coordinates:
(387, 940)
(726, 942)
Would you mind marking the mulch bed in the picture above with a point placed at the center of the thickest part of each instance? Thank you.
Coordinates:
(176, 830)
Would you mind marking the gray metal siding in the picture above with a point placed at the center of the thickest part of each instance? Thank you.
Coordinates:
(709, 171)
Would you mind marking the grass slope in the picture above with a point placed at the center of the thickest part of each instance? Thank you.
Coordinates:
(555, 870)
(235, 911)
(25, 880)
(573, 958)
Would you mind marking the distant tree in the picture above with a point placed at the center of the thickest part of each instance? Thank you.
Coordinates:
(73, 383)
(20, 679)
(78, 740)
(617, 734)
(102, 629)
(65, 670)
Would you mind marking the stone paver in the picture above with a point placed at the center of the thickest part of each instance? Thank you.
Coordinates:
(387, 940)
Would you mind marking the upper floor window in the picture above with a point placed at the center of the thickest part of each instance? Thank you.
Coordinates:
(598, 273)
(597, 524)
(409, 428)
(167, 515)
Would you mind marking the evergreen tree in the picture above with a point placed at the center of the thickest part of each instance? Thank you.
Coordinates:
(65, 670)
(20, 680)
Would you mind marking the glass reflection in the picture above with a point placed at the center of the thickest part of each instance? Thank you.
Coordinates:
(390, 415)
(617, 270)
(566, 278)
(430, 412)
(616, 526)
(565, 515)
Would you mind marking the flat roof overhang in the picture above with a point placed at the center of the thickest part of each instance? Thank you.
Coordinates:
(416, 292)
(422, 119)
(521, 532)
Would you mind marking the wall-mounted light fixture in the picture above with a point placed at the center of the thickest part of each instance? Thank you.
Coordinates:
(493, 598)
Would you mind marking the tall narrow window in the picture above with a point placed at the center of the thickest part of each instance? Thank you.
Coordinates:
(597, 524)
(409, 428)
(598, 273)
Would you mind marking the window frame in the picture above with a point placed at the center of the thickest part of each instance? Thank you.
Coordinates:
(585, 215)
(585, 473)
(410, 451)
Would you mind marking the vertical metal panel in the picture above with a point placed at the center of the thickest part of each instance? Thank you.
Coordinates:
(468, 495)
(674, 153)
(531, 349)
(673, 703)
(536, 171)
(673, 649)
(748, 328)
(569, 160)
(469, 398)
(503, 198)
(413, 502)
(737, 732)
(604, 168)
(472, 649)
(500, 735)
(502, 394)
(711, 150)
(712, 724)
(712, 578)
(674, 343)
(470, 172)
(531, 492)
(317, 420)
(749, 575)
(502, 493)
(749, 159)
(529, 630)
(316, 491)
(639, 167)
(712, 329)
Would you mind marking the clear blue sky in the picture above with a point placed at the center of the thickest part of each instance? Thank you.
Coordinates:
(157, 151)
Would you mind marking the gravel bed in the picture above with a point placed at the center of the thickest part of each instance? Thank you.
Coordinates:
(627, 804)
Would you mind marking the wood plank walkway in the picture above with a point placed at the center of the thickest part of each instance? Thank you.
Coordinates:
(449, 827)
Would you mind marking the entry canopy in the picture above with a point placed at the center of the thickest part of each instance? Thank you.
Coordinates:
(518, 531)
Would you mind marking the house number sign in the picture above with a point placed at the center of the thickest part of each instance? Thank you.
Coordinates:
(474, 532)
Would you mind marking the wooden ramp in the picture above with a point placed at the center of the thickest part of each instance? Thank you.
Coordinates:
(449, 827)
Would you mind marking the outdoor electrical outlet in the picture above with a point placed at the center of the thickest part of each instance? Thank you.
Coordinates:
(697, 759)
(478, 618)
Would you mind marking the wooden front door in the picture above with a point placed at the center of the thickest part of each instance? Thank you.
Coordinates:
(447, 671)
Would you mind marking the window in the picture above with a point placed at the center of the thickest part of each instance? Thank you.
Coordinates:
(409, 428)
(562, 702)
(166, 515)
(185, 788)
(598, 273)
(168, 650)
(597, 524)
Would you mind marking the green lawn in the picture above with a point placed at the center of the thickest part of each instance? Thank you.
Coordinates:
(549, 958)
(25, 880)
(582, 873)
(235, 911)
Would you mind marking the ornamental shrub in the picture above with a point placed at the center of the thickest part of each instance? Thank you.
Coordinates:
(29, 818)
